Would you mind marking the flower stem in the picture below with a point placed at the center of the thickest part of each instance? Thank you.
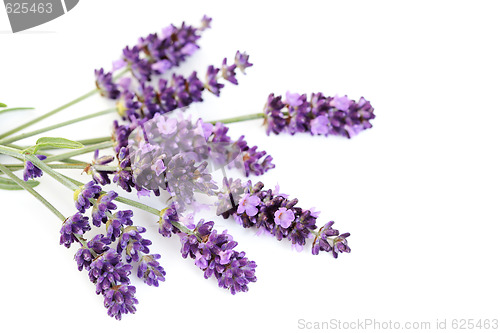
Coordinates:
(94, 141)
(14, 109)
(48, 114)
(240, 118)
(21, 183)
(59, 109)
(69, 166)
(77, 152)
(52, 127)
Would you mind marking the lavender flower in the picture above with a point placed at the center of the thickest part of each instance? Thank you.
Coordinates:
(31, 171)
(100, 177)
(214, 254)
(96, 246)
(103, 206)
(178, 92)
(248, 204)
(241, 61)
(324, 242)
(84, 194)
(120, 299)
(73, 226)
(205, 22)
(104, 83)
(253, 161)
(228, 72)
(132, 243)
(155, 54)
(168, 216)
(150, 270)
(274, 213)
(107, 270)
(319, 116)
(117, 222)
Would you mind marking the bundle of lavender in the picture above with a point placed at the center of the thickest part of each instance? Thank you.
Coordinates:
(156, 149)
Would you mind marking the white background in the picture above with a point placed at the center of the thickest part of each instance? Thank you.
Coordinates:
(418, 191)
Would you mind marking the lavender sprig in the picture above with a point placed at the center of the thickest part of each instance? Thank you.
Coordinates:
(273, 213)
(320, 115)
(152, 55)
(178, 92)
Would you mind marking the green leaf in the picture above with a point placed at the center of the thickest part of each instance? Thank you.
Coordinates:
(8, 184)
(48, 142)
(2, 105)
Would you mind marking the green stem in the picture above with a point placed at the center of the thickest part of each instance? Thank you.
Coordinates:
(94, 141)
(15, 109)
(11, 152)
(32, 191)
(77, 152)
(70, 166)
(74, 184)
(40, 152)
(48, 114)
(52, 127)
(240, 118)
(59, 109)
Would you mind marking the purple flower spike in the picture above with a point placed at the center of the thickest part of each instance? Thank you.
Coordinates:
(72, 226)
(103, 206)
(241, 61)
(320, 115)
(120, 300)
(150, 270)
(83, 195)
(274, 213)
(31, 171)
(108, 270)
(104, 83)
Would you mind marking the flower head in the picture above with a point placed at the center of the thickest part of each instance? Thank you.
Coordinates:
(31, 171)
(241, 61)
(105, 85)
(96, 246)
(120, 299)
(320, 115)
(150, 270)
(103, 206)
(108, 270)
(248, 204)
(72, 226)
(284, 217)
(215, 254)
(84, 194)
